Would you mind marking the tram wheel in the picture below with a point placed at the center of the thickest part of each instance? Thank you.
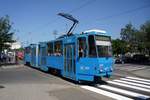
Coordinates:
(97, 79)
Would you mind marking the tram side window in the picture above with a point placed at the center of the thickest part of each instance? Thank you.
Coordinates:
(50, 49)
(58, 48)
(43, 49)
(27, 50)
(92, 47)
(39, 49)
(82, 47)
(34, 51)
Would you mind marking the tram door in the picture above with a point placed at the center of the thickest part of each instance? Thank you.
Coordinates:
(34, 56)
(69, 61)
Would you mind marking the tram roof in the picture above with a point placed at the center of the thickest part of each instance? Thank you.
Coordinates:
(95, 30)
(87, 32)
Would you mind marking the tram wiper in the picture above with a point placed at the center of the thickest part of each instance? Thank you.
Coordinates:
(70, 17)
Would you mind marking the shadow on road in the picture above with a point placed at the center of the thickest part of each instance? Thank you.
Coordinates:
(1, 87)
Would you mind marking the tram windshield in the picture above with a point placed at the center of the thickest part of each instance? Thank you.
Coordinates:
(103, 44)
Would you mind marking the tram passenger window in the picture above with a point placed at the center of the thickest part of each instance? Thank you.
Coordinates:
(27, 50)
(34, 51)
(43, 49)
(92, 48)
(58, 48)
(82, 47)
(38, 49)
(50, 49)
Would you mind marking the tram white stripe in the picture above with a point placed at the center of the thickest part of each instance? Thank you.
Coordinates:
(106, 93)
(141, 79)
(129, 86)
(135, 81)
(127, 82)
(129, 93)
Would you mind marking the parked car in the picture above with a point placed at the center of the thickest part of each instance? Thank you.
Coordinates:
(120, 59)
(140, 58)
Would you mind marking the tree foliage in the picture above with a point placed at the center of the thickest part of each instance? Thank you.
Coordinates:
(133, 40)
(128, 35)
(145, 31)
(6, 34)
(119, 46)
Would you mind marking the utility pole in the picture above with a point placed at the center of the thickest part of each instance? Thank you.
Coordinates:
(55, 34)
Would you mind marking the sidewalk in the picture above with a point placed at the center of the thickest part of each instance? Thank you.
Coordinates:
(11, 66)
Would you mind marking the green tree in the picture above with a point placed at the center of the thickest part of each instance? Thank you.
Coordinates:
(6, 34)
(119, 46)
(145, 31)
(128, 35)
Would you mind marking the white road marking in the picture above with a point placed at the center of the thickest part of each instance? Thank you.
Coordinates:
(126, 82)
(131, 80)
(129, 86)
(134, 69)
(141, 79)
(129, 93)
(122, 94)
(106, 93)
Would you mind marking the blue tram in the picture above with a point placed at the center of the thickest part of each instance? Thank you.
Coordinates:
(86, 56)
(80, 57)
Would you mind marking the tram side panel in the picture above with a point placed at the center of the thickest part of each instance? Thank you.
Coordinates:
(55, 62)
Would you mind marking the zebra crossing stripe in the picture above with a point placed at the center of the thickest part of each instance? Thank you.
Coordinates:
(106, 93)
(130, 83)
(129, 93)
(129, 86)
(131, 80)
(141, 79)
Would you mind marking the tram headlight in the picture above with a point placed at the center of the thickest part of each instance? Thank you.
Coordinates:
(101, 67)
(111, 69)
(101, 70)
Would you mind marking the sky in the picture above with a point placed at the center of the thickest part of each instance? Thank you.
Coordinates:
(35, 20)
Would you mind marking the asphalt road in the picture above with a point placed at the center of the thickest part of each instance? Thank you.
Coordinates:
(19, 82)
(25, 83)
(134, 70)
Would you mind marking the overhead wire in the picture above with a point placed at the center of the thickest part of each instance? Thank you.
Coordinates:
(103, 18)
(125, 12)
(89, 2)
(71, 11)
